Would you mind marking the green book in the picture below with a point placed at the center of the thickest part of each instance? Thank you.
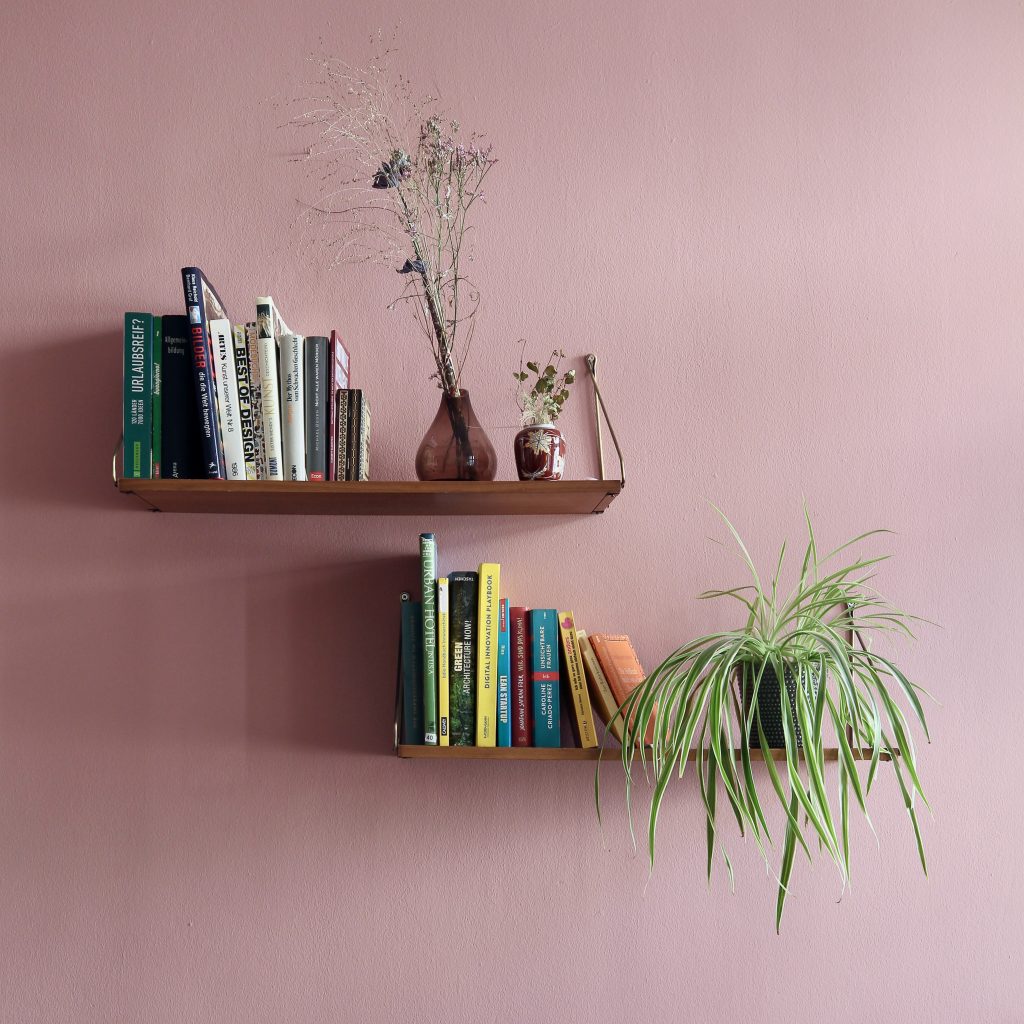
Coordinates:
(158, 390)
(138, 395)
(428, 577)
(462, 603)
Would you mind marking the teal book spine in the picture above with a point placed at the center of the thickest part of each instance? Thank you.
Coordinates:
(138, 395)
(158, 396)
(547, 713)
(504, 734)
(412, 671)
(428, 579)
(462, 601)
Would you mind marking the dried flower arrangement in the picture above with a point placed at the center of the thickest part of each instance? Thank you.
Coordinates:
(542, 402)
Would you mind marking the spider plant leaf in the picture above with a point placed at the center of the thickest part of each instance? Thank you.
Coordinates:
(788, 850)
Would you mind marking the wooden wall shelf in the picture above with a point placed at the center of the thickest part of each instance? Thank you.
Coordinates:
(372, 498)
(411, 750)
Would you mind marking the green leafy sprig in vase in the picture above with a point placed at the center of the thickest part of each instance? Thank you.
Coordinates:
(540, 447)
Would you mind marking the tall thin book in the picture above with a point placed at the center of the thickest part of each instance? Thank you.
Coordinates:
(270, 328)
(293, 406)
(204, 370)
(581, 715)
(487, 655)
(443, 664)
(428, 580)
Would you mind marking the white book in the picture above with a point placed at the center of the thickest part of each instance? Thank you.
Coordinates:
(270, 328)
(293, 405)
(227, 398)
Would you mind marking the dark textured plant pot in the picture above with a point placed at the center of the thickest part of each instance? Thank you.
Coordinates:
(540, 452)
(770, 704)
(456, 447)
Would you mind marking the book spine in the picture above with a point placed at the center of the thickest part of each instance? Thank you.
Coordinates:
(266, 323)
(582, 715)
(293, 417)
(547, 713)
(364, 439)
(180, 422)
(463, 588)
(338, 363)
(158, 396)
(222, 339)
(624, 673)
(243, 378)
(355, 404)
(504, 738)
(341, 431)
(443, 664)
(138, 395)
(522, 711)
(205, 375)
(252, 355)
(316, 408)
(600, 691)
(487, 655)
(412, 671)
(428, 579)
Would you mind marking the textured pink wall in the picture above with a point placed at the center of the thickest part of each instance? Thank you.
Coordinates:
(793, 234)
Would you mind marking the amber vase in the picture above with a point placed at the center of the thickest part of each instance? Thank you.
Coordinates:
(456, 447)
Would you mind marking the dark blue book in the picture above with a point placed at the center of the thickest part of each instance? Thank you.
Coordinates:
(200, 301)
(412, 671)
(181, 457)
(547, 714)
(504, 732)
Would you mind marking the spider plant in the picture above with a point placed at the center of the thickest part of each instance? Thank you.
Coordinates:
(703, 700)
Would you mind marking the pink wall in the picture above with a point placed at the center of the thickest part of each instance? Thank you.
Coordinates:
(791, 232)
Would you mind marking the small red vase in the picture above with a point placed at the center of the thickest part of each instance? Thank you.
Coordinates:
(540, 452)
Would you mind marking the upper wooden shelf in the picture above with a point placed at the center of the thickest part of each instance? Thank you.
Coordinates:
(575, 753)
(373, 498)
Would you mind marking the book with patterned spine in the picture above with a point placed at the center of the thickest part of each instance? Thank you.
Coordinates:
(252, 353)
(487, 655)
(443, 664)
(581, 715)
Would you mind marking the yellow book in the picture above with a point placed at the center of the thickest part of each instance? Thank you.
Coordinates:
(487, 655)
(582, 715)
(443, 696)
(600, 691)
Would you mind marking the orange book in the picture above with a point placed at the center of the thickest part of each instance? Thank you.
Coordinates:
(622, 669)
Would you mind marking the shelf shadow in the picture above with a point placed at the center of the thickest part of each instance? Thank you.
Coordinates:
(322, 647)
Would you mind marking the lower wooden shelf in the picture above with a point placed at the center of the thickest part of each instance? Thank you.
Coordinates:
(411, 750)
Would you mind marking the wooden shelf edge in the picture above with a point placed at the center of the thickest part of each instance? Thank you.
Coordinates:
(385, 497)
(415, 751)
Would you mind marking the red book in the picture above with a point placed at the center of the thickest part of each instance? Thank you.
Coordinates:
(522, 711)
(338, 379)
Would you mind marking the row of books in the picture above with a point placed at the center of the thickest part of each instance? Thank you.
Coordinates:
(205, 398)
(478, 671)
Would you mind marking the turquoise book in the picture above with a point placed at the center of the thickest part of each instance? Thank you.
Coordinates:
(428, 578)
(138, 395)
(411, 670)
(544, 677)
(504, 736)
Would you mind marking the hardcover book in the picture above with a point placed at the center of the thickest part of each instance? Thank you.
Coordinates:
(443, 664)
(222, 339)
(339, 378)
(462, 587)
(158, 385)
(245, 413)
(544, 675)
(138, 395)
(622, 669)
(412, 671)
(270, 328)
(316, 408)
(603, 701)
(293, 406)
(504, 677)
(581, 715)
(522, 709)
(487, 655)
(182, 456)
(428, 582)
(199, 296)
(341, 401)
(357, 446)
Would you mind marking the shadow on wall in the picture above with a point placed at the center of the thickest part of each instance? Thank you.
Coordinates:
(60, 416)
(322, 654)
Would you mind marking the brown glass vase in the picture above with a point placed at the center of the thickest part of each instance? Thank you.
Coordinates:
(456, 447)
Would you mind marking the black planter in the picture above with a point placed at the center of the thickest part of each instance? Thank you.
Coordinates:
(770, 705)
